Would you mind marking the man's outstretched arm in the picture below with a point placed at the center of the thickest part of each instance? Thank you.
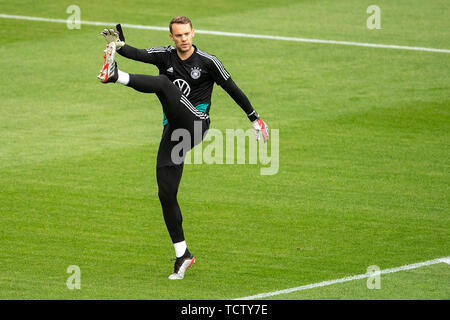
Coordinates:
(241, 99)
(142, 55)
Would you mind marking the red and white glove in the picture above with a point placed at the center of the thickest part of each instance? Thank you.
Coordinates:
(260, 126)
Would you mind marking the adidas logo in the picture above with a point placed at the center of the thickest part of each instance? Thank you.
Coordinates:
(170, 70)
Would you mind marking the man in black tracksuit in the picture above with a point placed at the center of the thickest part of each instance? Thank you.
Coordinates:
(184, 87)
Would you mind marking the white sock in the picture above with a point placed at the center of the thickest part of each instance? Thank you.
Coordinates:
(180, 248)
(124, 77)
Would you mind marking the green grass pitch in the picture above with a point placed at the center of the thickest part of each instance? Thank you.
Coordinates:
(364, 155)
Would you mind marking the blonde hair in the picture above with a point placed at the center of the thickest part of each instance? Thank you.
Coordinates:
(180, 20)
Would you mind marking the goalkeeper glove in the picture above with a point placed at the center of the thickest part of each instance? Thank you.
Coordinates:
(260, 126)
(120, 32)
(113, 36)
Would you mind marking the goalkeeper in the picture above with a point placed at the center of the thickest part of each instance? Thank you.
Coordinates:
(184, 87)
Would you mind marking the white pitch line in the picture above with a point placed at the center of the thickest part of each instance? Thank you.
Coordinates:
(234, 34)
(347, 279)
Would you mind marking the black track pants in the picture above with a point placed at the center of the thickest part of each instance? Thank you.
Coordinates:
(180, 115)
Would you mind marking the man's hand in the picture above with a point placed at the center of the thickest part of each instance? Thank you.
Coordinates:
(112, 36)
(260, 126)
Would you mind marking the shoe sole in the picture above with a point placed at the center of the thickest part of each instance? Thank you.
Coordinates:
(183, 269)
(109, 59)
